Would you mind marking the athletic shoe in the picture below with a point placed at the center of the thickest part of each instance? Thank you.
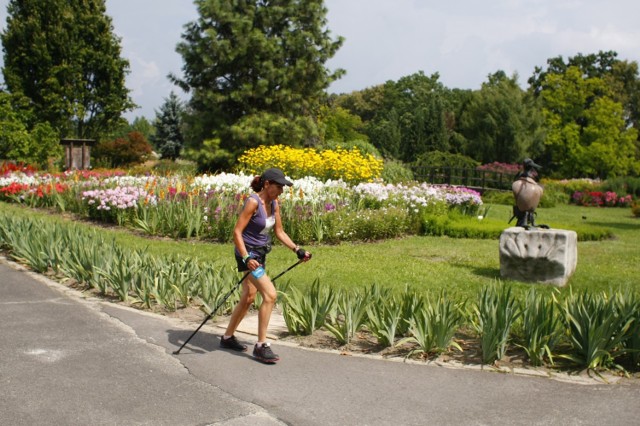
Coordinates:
(265, 354)
(233, 344)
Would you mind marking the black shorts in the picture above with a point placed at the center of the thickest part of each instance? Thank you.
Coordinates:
(258, 253)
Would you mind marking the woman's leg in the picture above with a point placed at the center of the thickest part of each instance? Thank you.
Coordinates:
(246, 300)
(269, 295)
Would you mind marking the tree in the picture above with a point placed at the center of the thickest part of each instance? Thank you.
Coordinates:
(142, 125)
(35, 146)
(591, 66)
(587, 134)
(364, 103)
(501, 123)
(607, 145)
(168, 137)
(620, 78)
(256, 74)
(63, 56)
(339, 125)
(409, 116)
(387, 132)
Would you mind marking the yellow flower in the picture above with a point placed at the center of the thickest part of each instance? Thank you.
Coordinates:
(348, 165)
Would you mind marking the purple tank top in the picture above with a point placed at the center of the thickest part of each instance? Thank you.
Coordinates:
(257, 231)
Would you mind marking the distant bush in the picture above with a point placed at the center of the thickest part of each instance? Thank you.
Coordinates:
(510, 169)
(165, 167)
(622, 185)
(492, 196)
(550, 197)
(396, 172)
(570, 186)
(133, 149)
(365, 147)
(463, 227)
(445, 159)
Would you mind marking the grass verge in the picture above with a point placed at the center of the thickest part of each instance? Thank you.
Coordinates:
(459, 265)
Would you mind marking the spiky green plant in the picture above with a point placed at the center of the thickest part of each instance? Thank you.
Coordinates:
(627, 304)
(383, 318)
(411, 303)
(596, 329)
(540, 327)
(351, 315)
(432, 328)
(30, 250)
(495, 312)
(306, 312)
(214, 284)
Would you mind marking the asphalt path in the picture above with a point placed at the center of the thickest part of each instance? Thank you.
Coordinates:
(66, 359)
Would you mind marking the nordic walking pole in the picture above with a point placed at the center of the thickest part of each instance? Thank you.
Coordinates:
(213, 312)
(224, 299)
(287, 270)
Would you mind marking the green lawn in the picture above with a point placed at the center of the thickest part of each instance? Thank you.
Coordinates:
(461, 266)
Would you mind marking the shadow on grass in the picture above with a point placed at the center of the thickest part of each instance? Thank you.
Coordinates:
(482, 271)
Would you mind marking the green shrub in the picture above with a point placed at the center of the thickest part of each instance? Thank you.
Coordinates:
(445, 159)
(586, 232)
(622, 185)
(365, 147)
(367, 225)
(396, 172)
(571, 186)
(635, 209)
(551, 196)
(460, 226)
(494, 196)
(133, 149)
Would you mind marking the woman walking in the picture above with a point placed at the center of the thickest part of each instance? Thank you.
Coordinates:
(251, 237)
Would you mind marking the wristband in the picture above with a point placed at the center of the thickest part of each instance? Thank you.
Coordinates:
(245, 258)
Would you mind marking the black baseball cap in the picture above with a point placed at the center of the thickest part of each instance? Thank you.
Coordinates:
(275, 175)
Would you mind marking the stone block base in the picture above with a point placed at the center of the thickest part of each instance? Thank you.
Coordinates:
(545, 256)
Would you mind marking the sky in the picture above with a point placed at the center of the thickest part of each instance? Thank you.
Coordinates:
(462, 40)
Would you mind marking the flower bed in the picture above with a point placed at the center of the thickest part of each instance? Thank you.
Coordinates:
(207, 206)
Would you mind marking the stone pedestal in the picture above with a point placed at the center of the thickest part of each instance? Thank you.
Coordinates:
(545, 256)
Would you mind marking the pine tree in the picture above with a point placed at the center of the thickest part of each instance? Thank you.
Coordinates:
(168, 138)
(255, 71)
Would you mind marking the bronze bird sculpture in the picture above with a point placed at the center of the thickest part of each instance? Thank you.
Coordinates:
(527, 193)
